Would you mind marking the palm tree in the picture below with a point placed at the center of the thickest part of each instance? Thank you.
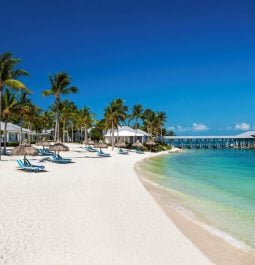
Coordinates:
(161, 116)
(68, 111)
(87, 119)
(9, 103)
(137, 112)
(8, 75)
(24, 105)
(59, 86)
(114, 114)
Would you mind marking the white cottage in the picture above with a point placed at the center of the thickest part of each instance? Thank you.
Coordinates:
(13, 132)
(126, 134)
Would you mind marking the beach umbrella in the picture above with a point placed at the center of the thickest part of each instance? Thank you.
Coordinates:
(89, 142)
(57, 147)
(137, 144)
(100, 145)
(121, 144)
(150, 142)
(43, 143)
(24, 150)
(25, 142)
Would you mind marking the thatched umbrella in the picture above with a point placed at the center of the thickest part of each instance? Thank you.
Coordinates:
(57, 147)
(24, 150)
(43, 143)
(25, 142)
(137, 144)
(151, 143)
(100, 145)
(121, 144)
(89, 142)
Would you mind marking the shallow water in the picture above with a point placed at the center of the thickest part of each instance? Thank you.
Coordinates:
(218, 186)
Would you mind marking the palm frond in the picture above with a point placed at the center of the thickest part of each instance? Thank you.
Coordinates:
(69, 90)
(47, 92)
(20, 72)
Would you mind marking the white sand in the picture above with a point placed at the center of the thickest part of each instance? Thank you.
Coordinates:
(94, 211)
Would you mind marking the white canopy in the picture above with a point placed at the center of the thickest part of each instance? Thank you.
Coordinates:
(126, 131)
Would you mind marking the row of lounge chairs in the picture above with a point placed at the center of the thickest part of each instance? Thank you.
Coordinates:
(121, 151)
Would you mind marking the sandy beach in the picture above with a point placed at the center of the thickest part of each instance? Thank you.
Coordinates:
(93, 211)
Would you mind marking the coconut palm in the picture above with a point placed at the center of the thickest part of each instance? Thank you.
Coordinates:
(87, 119)
(115, 113)
(59, 86)
(67, 109)
(137, 112)
(161, 116)
(9, 103)
(23, 106)
(8, 77)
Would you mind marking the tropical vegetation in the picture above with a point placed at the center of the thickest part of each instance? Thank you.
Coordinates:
(64, 120)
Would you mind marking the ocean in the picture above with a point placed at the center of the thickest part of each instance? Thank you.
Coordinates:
(213, 187)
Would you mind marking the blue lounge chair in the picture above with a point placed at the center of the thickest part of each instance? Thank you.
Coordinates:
(28, 168)
(102, 154)
(91, 149)
(44, 152)
(47, 151)
(123, 151)
(59, 159)
(139, 151)
(27, 163)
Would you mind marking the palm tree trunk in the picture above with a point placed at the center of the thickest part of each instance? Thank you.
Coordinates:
(85, 134)
(72, 132)
(5, 136)
(112, 129)
(21, 127)
(135, 129)
(55, 133)
(63, 131)
(1, 90)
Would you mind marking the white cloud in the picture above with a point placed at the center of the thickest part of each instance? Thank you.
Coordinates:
(243, 126)
(181, 129)
(196, 127)
(199, 127)
(171, 128)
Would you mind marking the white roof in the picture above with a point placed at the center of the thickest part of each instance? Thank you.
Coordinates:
(126, 131)
(13, 127)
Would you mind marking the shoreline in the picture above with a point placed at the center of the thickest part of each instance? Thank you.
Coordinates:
(217, 249)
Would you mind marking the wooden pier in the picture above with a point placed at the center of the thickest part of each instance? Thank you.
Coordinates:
(244, 141)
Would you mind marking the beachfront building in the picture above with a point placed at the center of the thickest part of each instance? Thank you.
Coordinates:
(13, 132)
(126, 134)
(244, 140)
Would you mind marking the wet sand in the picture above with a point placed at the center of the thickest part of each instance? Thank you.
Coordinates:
(215, 248)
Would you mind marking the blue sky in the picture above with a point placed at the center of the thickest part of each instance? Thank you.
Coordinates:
(195, 60)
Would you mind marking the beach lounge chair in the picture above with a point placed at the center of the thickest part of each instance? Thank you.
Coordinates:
(27, 163)
(139, 151)
(44, 152)
(28, 168)
(59, 159)
(102, 154)
(90, 149)
(123, 151)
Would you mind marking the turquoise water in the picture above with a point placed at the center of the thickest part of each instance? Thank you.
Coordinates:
(218, 186)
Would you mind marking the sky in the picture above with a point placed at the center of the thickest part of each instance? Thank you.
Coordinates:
(194, 60)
